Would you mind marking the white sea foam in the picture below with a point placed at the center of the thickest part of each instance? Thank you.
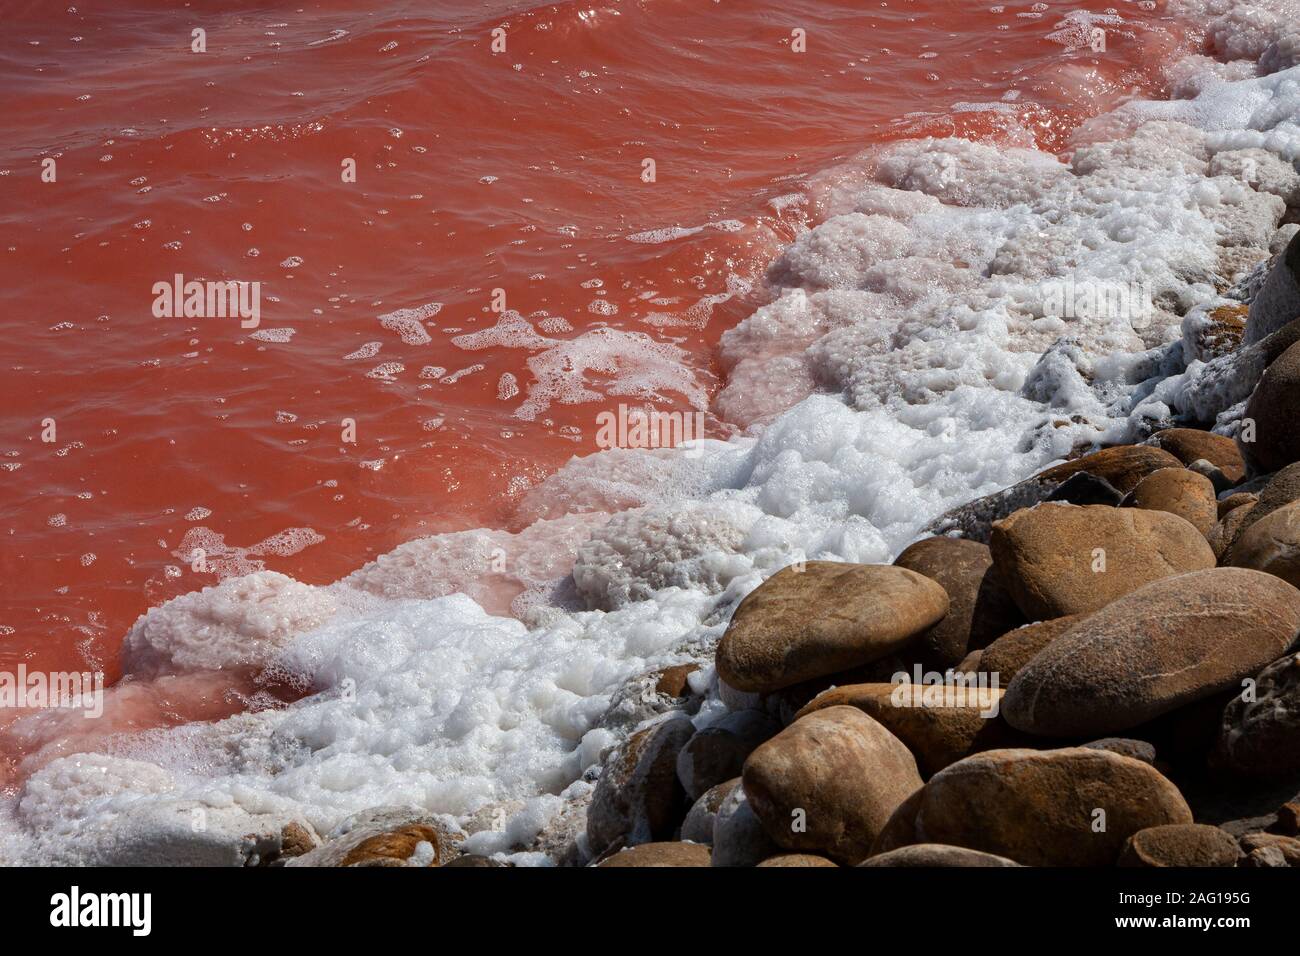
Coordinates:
(915, 333)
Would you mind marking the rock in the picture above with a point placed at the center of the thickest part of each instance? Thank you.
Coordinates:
(1066, 559)
(717, 753)
(1013, 650)
(980, 606)
(1179, 492)
(386, 836)
(970, 664)
(1265, 856)
(936, 854)
(1288, 847)
(829, 782)
(638, 798)
(1122, 466)
(1219, 333)
(1180, 844)
(798, 625)
(1273, 408)
(939, 724)
(1228, 528)
(1166, 645)
(1126, 747)
(672, 681)
(739, 837)
(1262, 738)
(698, 825)
(1278, 302)
(974, 520)
(660, 854)
(296, 839)
(1288, 818)
(1211, 473)
(1082, 488)
(1069, 807)
(1189, 445)
(900, 828)
(1234, 501)
(798, 859)
(1280, 490)
(1272, 544)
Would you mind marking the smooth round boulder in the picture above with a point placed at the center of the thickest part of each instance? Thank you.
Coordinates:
(827, 617)
(829, 782)
(638, 798)
(1179, 492)
(698, 825)
(980, 606)
(1272, 545)
(659, 855)
(1228, 528)
(940, 724)
(1281, 489)
(936, 854)
(798, 859)
(1126, 747)
(1180, 844)
(1123, 466)
(1260, 737)
(739, 838)
(1162, 647)
(1191, 444)
(1071, 559)
(1273, 442)
(1068, 807)
(717, 753)
(1013, 650)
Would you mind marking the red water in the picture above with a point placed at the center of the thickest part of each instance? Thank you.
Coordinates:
(518, 170)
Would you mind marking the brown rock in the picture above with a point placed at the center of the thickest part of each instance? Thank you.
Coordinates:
(1179, 492)
(981, 608)
(1288, 818)
(1233, 502)
(900, 828)
(1281, 489)
(1288, 847)
(638, 798)
(1192, 444)
(829, 782)
(1066, 559)
(1166, 645)
(1180, 844)
(939, 724)
(1261, 738)
(1274, 407)
(1228, 528)
(970, 664)
(717, 753)
(672, 681)
(798, 625)
(1123, 466)
(1041, 807)
(660, 854)
(739, 837)
(936, 854)
(1013, 650)
(798, 859)
(698, 825)
(385, 836)
(1272, 544)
